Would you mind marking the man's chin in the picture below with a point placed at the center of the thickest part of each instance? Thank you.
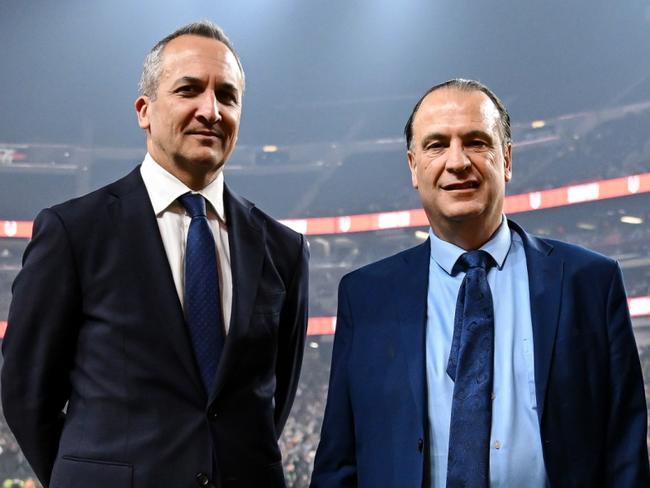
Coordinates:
(464, 213)
(478, 218)
(207, 160)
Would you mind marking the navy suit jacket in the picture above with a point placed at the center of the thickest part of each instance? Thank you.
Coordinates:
(589, 388)
(99, 382)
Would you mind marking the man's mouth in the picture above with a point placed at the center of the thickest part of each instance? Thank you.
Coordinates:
(462, 185)
(207, 133)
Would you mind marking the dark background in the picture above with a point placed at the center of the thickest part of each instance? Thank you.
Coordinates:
(317, 70)
(331, 83)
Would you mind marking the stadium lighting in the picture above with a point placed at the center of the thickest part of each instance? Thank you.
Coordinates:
(313, 345)
(585, 226)
(537, 124)
(270, 148)
(420, 234)
(630, 219)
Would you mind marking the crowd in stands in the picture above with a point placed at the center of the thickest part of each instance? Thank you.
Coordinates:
(14, 469)
(299, 439)
(302, 431)
(588, 151)
(608, 236)
(6, 278)
(379, 181)
(20, 483)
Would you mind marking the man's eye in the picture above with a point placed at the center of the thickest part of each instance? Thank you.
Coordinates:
(186, 89)
(432, 146)
(227, 98)
(477, 143)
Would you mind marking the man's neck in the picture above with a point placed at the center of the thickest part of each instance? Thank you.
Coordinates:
(466, 235)
(193, 175)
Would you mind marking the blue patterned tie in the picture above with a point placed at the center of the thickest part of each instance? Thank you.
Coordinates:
(470, 367)
(202, 297)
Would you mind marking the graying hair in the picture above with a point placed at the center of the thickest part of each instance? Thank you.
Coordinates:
(152, 66)
(464, 85)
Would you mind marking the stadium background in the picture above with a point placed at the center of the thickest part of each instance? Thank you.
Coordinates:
(329, 87)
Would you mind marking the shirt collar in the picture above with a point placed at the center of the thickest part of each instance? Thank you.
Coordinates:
(164, 188)
(446, 254)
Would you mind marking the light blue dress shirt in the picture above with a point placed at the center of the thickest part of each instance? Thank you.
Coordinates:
(515, 445)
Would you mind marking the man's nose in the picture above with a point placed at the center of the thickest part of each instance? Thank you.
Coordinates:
(208, 109)
(457, 159)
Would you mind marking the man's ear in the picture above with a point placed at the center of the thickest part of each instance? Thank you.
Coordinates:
(413, 167)
(141, 105)
(507, 162)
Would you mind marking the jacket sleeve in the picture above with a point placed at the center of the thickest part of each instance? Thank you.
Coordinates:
(627, 452)
(291, 339)
(39, 343)
(335, 464)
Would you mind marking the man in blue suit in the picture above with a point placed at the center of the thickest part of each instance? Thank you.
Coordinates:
(565, 403)
(117, 373)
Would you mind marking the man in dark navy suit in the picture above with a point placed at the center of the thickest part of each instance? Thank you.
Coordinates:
(554, 393)
(128, 361)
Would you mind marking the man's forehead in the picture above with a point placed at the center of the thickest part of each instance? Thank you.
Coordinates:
(450, 104)
(190, 51)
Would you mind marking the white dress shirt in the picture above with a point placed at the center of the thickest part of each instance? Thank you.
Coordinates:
(173, 221)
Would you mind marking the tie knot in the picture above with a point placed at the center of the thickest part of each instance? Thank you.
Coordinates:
(474, 259)
(194, 204)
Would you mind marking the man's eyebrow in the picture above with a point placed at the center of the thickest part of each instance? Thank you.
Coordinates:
(229, 87)
(192, 80)
(432, 136)
(479, 134)
(439, 136)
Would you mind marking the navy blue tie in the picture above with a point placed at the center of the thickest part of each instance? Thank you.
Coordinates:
(470, 366)
(202, 297)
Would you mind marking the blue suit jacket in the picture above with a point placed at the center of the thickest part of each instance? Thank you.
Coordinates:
(592, 409)
(96, 323)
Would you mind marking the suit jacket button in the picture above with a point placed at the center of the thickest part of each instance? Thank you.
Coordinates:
(420, 444)
(202, 479)
(213, 414)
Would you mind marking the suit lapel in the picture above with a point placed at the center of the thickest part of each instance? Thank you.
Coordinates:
(140, 236)
(246, 239)
(545, 272)
(412, 281)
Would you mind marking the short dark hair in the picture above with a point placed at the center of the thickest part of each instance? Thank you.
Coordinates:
(152, 67)
(464, 85)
